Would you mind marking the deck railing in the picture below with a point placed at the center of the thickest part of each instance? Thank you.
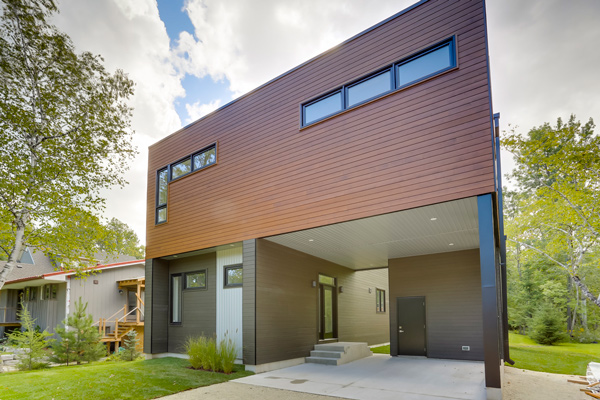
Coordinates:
(120, 320)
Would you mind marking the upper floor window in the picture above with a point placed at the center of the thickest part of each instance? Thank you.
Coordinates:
(195, 161)
(417, 67)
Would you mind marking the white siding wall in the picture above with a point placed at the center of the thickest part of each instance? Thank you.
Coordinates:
(229, 300)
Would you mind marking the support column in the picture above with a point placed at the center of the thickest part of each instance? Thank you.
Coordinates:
(157, 307)
(249, 301)
(489, 297)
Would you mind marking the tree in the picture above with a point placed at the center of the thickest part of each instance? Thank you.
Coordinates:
(80, 341)
(33, 342)
(121, 239)
(129, 351)
(557, 214)
(64, 136)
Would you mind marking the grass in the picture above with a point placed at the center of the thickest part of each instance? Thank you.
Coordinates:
(562, 358)
(145, 379)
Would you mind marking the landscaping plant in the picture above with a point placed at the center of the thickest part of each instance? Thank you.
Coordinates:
(547, 326)
(227, 354)
(31, 341)
(129, 351)
(80, 341)
(205, 354)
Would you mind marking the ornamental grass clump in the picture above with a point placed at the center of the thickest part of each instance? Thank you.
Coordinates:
(204, 353)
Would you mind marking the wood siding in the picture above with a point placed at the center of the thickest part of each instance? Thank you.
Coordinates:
(287, 321)
(198, 306)
(451, 285)
(425, 144)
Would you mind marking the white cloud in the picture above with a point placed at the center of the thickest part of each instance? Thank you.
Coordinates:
(198, 110)
(251, 42)
(130, 36)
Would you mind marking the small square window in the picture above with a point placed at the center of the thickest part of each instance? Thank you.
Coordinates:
(233, 276)
(195, 280)
(181, 168)
(380, 300)
(161, 214)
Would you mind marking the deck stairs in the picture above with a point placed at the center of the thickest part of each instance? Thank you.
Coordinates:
(117, 336)
(338, 353)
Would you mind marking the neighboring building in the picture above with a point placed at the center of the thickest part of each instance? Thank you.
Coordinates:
(356, 197)
(111, 292)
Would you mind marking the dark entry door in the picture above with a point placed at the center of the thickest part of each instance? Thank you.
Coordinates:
(411, 326)
(327, 308)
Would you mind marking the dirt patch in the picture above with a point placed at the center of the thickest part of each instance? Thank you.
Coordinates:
(521, 384)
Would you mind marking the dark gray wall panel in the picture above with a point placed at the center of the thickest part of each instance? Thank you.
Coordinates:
(199, 307)
(452, 287)
(249, 301)
(157, 294)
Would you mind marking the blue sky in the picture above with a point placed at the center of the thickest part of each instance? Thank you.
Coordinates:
(190, 57)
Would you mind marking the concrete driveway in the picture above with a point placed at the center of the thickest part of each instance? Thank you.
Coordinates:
(381, 377)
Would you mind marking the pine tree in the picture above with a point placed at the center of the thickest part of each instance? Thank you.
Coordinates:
(31, 341)
(80, 341)
(130, 351)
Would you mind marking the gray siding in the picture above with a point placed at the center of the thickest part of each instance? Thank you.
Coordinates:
(199, 314)
(249, 301)
(103, 297)
(157, 307)
(48, 313)
(286, 303)
(451, 285)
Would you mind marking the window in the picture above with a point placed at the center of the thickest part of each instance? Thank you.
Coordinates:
(195, 280)
(323, 107)
(380, 300)
(176, 299)
(233, 276)
(326, 280)
(194, 162)
(417, 67)
(49, 292)
(31, 293)
(369, 88)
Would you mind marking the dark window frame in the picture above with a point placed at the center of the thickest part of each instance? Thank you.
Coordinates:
(380, 307)
(172, 276)
(225, 280)
(169, 170)
(393, 68)
(200, 271)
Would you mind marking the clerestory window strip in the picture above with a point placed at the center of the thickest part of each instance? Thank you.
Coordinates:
(417, 67)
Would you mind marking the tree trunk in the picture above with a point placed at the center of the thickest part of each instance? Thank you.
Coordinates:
(585, 291)
(15, 254)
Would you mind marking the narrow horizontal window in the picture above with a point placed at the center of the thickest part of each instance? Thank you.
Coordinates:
(369, 88)
(323, 107)
(414, 68)
(195, 280)
(326, 280)
(161, 214)
(426, 65)
(181, 168)
(205, 158)
(233, 276)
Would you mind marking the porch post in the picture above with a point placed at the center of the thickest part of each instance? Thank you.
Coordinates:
(489, 297)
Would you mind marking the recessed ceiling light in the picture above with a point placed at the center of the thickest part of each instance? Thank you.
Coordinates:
(175, 256)
(231, 245)
(433, 219)
(450, 244)
(311, 240)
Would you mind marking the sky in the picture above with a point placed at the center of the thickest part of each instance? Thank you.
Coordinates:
(189, 57)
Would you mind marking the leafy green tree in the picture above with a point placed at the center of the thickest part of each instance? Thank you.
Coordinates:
(557, 212)
(121, 239)
(129, 351)
(80, 341)
(64, 135)
(31, 340)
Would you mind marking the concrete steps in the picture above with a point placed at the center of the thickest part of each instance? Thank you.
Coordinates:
(338, 353)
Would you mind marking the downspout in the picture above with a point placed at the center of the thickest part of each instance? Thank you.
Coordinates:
(502, 241)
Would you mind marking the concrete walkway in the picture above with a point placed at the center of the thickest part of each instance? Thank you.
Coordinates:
(381, 377)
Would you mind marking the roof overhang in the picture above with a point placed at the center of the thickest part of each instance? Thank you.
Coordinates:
(370, 242)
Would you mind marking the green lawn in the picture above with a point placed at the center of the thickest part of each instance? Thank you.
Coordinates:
(111, 380)
(562, 358)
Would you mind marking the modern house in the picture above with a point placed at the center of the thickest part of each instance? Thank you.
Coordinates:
(113, 293)
(356, 197)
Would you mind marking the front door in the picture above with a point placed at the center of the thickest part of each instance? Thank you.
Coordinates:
(411, 326)
(327, 308)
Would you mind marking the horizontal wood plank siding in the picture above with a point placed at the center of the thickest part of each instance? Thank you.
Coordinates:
(425, 144)
(451, 285)
(249, 301)
(287, 324)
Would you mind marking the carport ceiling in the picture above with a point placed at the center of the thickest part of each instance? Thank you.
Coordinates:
(370, 242)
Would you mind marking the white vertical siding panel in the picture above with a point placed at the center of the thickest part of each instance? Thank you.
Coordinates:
(229, 300)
